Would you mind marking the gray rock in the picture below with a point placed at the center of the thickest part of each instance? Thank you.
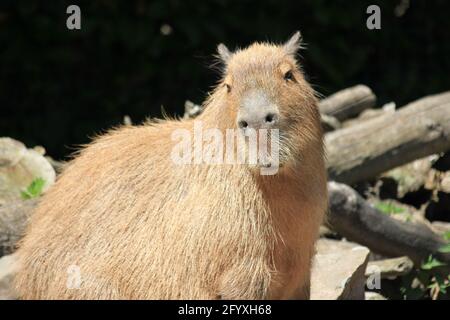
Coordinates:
(338, 271)
(329, 123)
(374, 296)
(11, 151)
(441, 227)
(390, 268)
(7, 270)
(19, 167)
(13, 220)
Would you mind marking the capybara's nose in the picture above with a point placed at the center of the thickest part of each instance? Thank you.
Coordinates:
(257, 119)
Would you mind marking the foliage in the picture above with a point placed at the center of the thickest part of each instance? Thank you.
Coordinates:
(34, 190)
(447, 235)
(445, 249)
(430, 281)
(431, 263)
(388, 208)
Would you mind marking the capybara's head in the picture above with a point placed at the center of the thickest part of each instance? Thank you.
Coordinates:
(263, 87)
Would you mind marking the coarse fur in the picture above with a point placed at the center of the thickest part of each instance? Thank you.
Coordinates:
(123, 221)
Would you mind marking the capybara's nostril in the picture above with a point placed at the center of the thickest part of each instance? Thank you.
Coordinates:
(270, 118)
(243, 124)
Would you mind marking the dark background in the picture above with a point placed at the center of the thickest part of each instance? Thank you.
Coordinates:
(58, 87)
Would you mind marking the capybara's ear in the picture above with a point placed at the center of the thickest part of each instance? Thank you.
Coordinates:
(224, 53)
(293, 44)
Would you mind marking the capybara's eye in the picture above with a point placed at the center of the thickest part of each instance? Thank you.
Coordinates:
(228, 87)
(288, 76)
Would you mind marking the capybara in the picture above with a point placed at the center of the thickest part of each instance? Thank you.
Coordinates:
(126, 221)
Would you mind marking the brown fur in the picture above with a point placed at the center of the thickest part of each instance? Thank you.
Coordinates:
(140, 227)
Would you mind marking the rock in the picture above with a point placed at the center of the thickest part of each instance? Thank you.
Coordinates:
(440, 227)
(389, 107)
(329, 123)
(127, 120)
(370, 295)
(13, 220)
(11, 151)
(390, 268)
(7, 270)
(19, 167)
(40, 149)
(339, 271)
(58, 166)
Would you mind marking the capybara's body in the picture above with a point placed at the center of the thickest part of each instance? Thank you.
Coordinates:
(123, 221)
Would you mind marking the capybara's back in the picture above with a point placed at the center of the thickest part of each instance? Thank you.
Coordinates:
(125, 220)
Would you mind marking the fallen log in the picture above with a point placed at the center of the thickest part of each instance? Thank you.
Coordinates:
(365, 150)
(358, 221)
(348, 103)
(370, 114)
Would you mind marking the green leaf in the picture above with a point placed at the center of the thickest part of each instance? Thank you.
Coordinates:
(432, 263)
(34, 189)
(441, 283)
(445, 249)
(25, 195)
(447, 235)
(388, 208)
